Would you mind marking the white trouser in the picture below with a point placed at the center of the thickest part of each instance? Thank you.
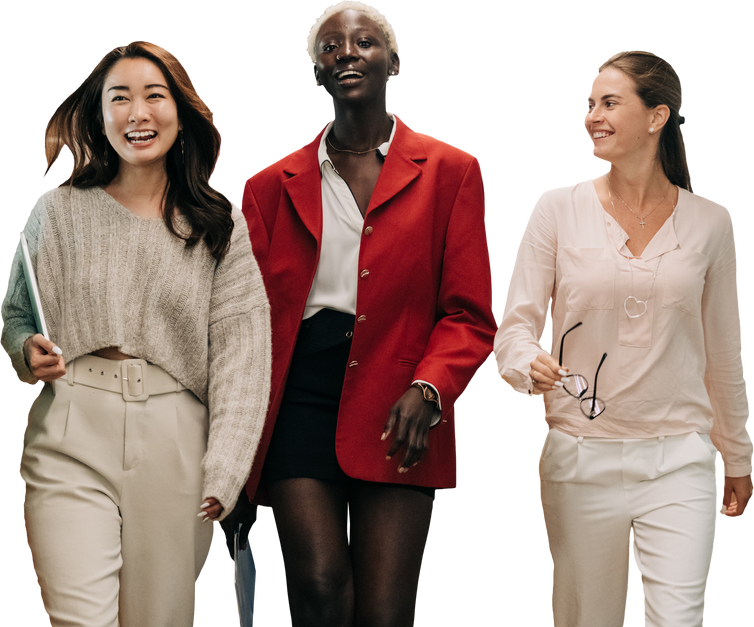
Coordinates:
(594, 491)
(113, 488)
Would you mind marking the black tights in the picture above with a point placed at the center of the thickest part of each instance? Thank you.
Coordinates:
(369, 582)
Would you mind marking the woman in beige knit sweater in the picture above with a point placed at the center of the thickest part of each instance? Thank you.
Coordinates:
(157, 365)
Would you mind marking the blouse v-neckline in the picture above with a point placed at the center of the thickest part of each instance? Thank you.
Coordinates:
(661, 242)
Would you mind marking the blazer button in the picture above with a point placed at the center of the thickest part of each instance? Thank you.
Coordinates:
(368, 230)
(353, 363)
(361, 319)
(364, 273)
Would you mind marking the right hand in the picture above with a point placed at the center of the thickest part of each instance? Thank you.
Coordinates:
(44, 364)
(546, 374)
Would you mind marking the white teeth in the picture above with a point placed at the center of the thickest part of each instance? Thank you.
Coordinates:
(141, 134)
(349, 73)
(600, 135)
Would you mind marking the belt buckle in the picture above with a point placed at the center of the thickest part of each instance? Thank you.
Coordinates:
(133, 374)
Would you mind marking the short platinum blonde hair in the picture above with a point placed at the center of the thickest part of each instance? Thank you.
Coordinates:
(372, 13)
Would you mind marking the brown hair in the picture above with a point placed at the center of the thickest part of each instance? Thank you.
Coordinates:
(78, 124)
(658, 84)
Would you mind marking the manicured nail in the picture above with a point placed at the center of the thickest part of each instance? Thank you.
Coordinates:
(554, 387)
(566, 379)
(382, 437)
(723, 510)
(203, 505)
(562, 372)
(57, 350)
(200, 514)
(206, 519)
(388, 457)
(558, 384)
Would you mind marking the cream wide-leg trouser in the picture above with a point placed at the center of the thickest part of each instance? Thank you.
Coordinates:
(113, 488)
(594, 491)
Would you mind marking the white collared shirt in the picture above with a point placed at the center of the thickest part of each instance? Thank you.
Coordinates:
(336, 279)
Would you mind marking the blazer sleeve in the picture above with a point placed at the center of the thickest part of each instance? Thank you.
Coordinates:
(462, 337)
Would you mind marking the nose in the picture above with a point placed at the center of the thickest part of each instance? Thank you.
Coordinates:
(139, 111)
(348, 51)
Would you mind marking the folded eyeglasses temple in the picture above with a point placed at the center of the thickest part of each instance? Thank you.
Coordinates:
(596, 374)
(560, 358)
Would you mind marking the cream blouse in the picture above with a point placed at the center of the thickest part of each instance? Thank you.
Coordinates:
(676, 368)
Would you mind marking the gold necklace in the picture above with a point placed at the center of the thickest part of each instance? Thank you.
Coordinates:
(353, 152)
(640, 218)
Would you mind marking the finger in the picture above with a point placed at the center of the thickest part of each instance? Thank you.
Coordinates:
(391, 420)
(48, 346)
(401, 433)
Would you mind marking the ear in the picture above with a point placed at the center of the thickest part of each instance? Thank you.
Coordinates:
(395, 65)
(659, 117)
(316, 76)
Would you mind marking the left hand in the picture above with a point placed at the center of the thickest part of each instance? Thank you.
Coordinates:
(736, 495)
(410, 417)
(210, 509)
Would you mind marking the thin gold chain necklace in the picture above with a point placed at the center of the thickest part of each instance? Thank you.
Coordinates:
(640, 218)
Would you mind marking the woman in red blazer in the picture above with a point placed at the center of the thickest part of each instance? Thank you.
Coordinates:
(372, 246)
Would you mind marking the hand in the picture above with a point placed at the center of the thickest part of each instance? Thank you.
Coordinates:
(736, 495)
(45, 360)
(546, 374)
(410, 417)
(210, 509)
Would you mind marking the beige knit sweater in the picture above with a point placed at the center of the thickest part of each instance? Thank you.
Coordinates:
(110, 278)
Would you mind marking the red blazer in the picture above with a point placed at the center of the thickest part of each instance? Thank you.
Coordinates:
(423, 303)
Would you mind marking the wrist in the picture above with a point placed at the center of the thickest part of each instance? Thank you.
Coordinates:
(428, 393)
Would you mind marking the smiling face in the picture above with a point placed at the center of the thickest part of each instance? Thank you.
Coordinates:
(139, 113)
(618, 121)
(353, 61)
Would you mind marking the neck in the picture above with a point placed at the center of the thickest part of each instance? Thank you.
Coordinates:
(638, 183)
(145, 183)
(360, 128)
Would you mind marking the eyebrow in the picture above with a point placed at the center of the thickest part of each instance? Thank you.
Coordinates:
(124, 88)
(607, 97)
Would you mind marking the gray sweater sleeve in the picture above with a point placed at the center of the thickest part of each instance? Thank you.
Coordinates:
(18, 319)
(239, 369)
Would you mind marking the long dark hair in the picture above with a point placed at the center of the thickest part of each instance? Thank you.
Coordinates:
(78, 124)
(658, 84)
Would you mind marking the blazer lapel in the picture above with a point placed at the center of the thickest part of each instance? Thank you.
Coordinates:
(304, 187)
(400, 167)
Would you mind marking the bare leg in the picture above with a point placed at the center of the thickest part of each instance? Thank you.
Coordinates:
(311, 520)
(389, 527)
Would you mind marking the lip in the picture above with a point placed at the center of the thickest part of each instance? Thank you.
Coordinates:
(142, 137)
(349, 76)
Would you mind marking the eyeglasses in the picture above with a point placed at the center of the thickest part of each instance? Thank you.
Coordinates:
(591, 406)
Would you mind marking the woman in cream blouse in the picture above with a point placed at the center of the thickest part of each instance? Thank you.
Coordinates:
(644, 381)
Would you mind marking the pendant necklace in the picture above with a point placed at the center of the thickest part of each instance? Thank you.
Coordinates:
(631, 296)
(640, 218)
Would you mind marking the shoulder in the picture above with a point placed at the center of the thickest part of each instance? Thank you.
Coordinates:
(566, 199)
(301, 159)
(700, 208)
(407, 140)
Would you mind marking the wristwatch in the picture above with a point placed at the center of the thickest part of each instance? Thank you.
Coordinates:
(428, 392)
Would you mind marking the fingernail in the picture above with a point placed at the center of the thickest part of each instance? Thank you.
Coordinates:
(382, 437)
(200, 514)
(723, 510)
(206, 519)
(558, 384)
(554, 387)
(388, 457)
(562, 372)
(57, 350)
(203, 505)
(566, 379)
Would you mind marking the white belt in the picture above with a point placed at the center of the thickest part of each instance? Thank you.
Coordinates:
(135, 379)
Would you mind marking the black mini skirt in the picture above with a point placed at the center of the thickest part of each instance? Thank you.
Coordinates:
(303, 440)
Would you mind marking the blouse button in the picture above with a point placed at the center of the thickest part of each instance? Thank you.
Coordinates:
(361, 319)
(368, 230)
(364, 273)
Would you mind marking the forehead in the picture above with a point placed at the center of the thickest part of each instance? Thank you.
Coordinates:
(134, 72)
(611, 80)
(348, 21)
